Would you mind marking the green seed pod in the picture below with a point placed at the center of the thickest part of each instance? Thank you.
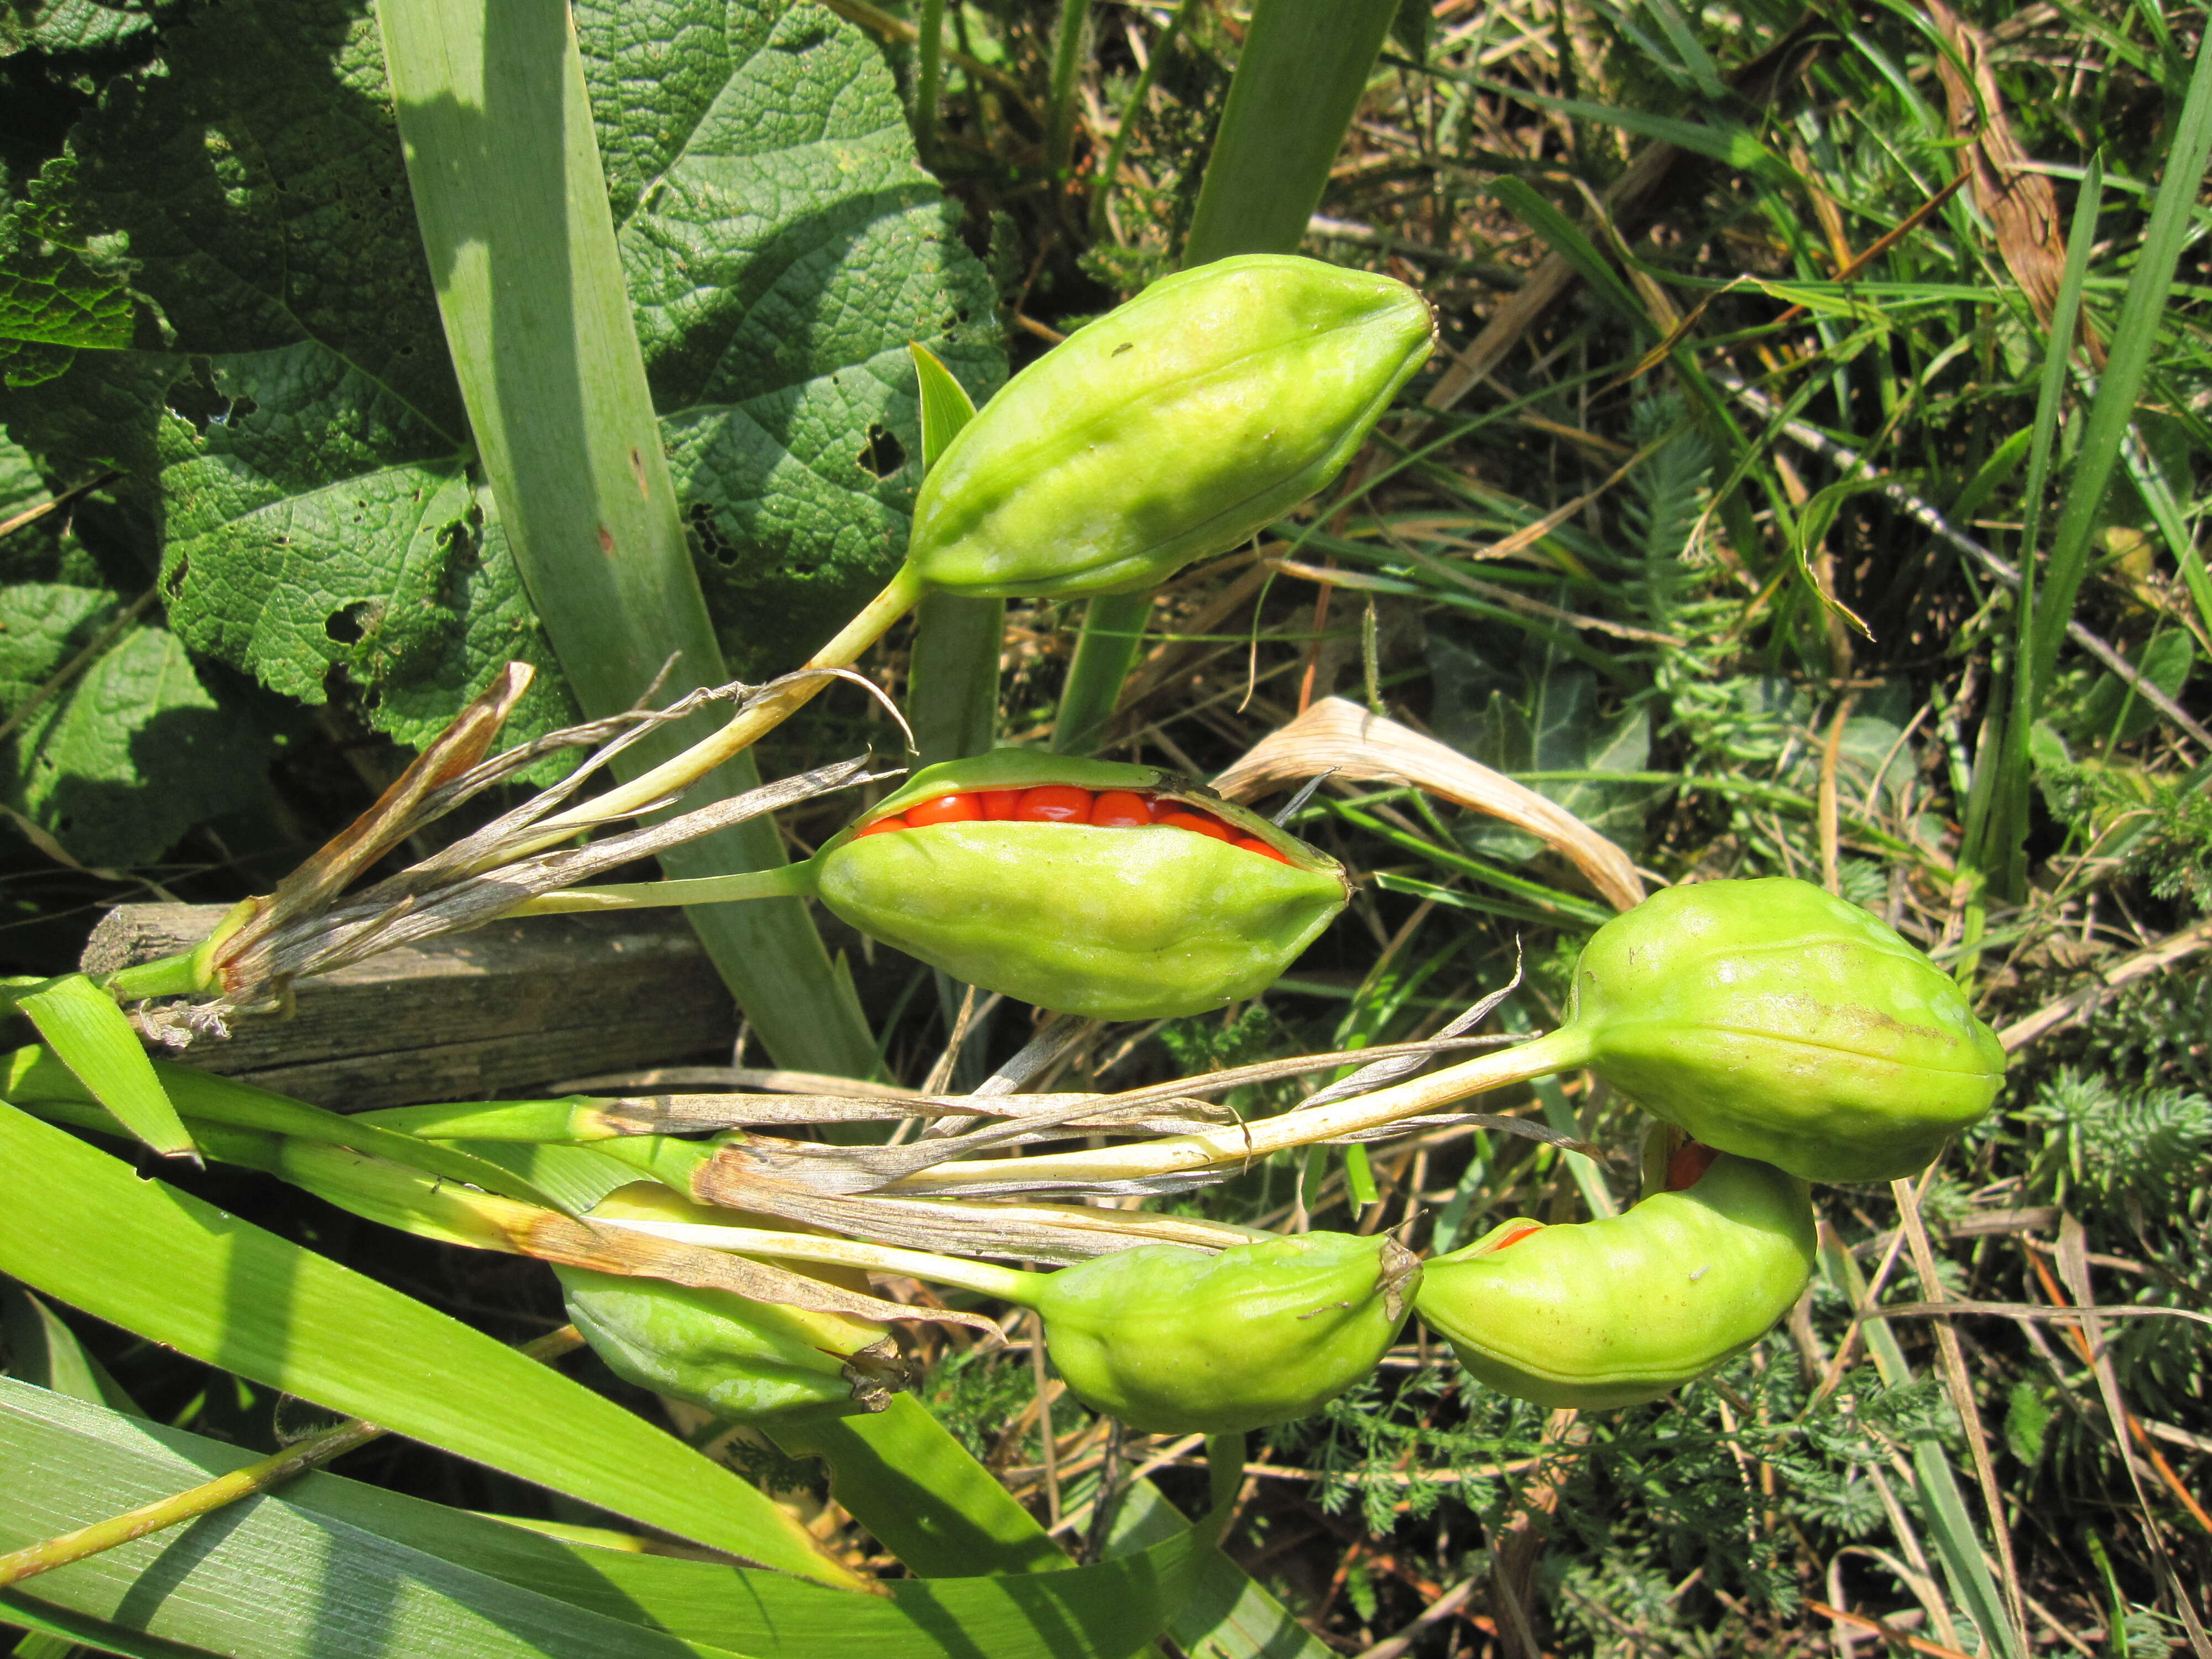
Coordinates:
(741, 1359)
(1173, 1341)
(1174, 427)
(1599, 1314)
(1771, 1020)
(1116, 923)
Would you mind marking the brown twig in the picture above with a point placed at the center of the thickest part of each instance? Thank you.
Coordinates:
(1887, 1632)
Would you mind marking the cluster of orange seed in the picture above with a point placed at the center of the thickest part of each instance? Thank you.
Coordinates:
(1063, 803)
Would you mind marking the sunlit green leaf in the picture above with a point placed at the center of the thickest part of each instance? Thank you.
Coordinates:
(170, 1267)
(330, 1569)
(94, 1040)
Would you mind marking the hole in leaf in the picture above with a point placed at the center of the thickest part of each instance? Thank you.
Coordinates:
(885, 454)
(348, 626)
(712, 541)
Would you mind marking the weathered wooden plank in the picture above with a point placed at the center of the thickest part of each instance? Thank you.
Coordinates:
(496, 1013)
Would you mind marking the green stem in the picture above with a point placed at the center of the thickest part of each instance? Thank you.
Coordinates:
(1059, 111)
(226, 1489)
(1225, 1479)
(930, 43)
(2135, 336)
(745, 728)
(171, 976)
(789, 880)
(1007, 1284)
(1113, 632)
(1103, 185)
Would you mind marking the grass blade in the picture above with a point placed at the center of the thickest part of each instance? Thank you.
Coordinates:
(233, 1296)
(902, 1474)
(1949, 1523)
(93, 1038)
(43, 1352)
(331, 1569)
(1060, 108)
(1113, 634)
(32, 1075)
(512, 204)
(1999, 839)
(1298, 81)
(910, 1483)
(2135, 335)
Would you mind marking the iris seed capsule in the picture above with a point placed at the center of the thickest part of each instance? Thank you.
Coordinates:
(1601, 1314)
(1176, 427)
(1001, 871)
(1773, 1020)
(743, 1361)
(1115, 919)
(1173, 1341)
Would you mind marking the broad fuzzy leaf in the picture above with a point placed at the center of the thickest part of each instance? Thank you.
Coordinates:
(132, 750)
(302, 438)
(64, 26)
(55, 297)
(783, 248)
(299, 432)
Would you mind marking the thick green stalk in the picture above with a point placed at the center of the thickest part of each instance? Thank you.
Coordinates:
(952, 682)
(512, 205)
(1113, 632)
(1060, 110)
(929, 83)
(952, 679)
(1298, 81)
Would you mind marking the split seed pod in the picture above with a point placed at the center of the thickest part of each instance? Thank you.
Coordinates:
(1773, 1020)
(1599, 1313)
(743, 1360)
(1173, 1341)
(1143, 922)
(1173, 427)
